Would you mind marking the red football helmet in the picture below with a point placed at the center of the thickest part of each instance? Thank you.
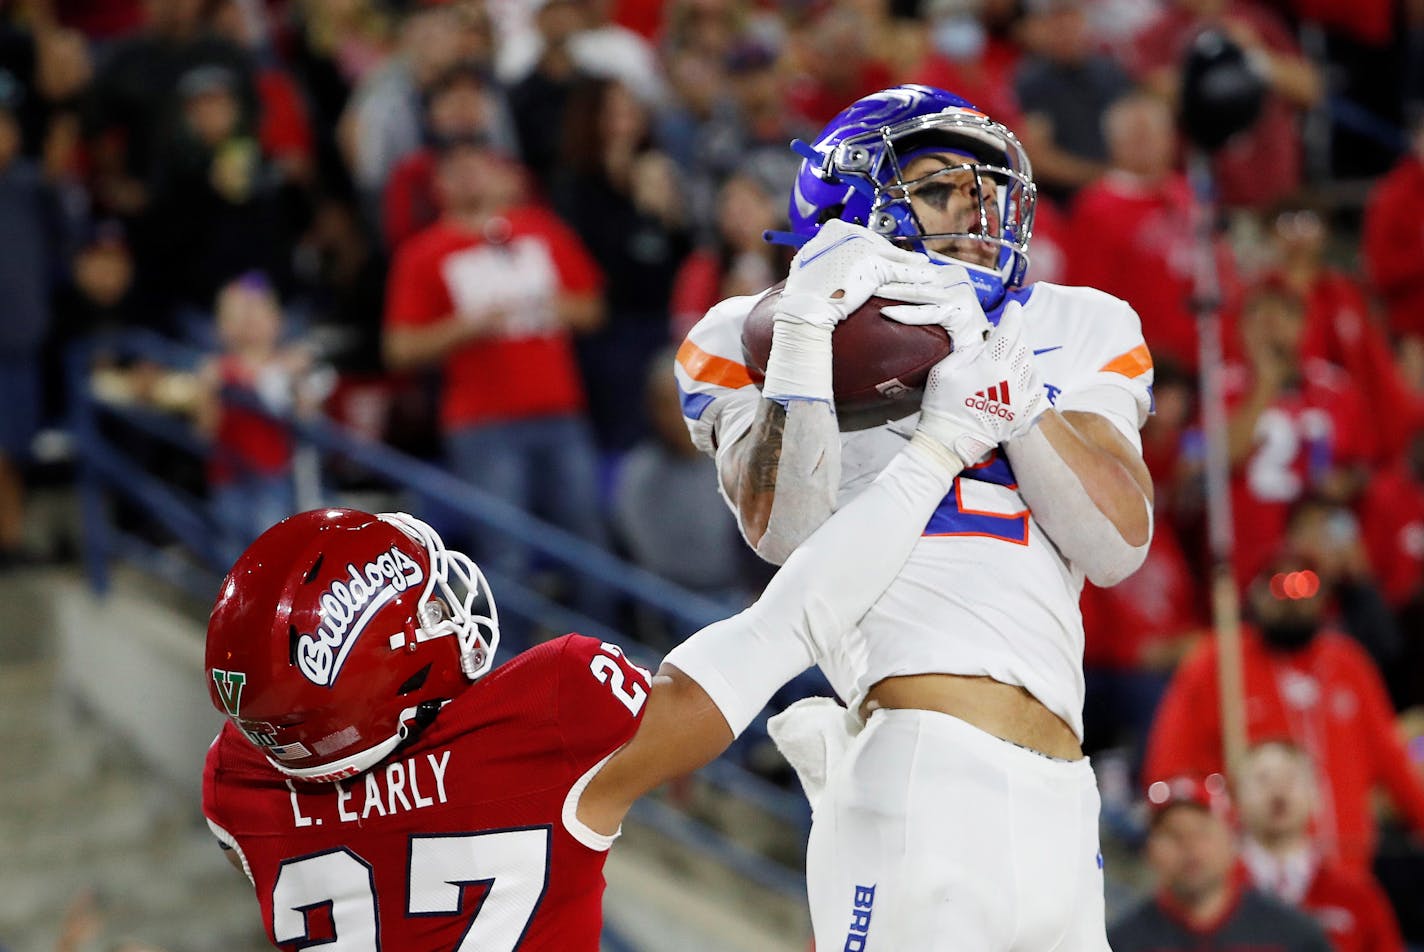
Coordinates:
(337, 631)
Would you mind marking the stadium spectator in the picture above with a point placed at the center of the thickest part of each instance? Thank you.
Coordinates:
(283, 127)
(738, 260)
(52, 67)
(1309, 684)
(665, 503)
(492, 294)
(1328, 535)
(573, 40)
(1276, 797)
(621, 196)
(1065, 87)
(137, 91)
(1050, 245)
(383, 118)
(973, 50)
(1132, 232)
(101, 20)
(461, 103)
(101, 295)
(32, 246)
(748, 129)
(215, 211)
(1261, 165)
(1339, 327)
(1393, 527)
(1393, 248)
(608, 49)
(1393, 524)
(538, 99)
(1294, 425)
(1202, 901)
(698, 81)
(250, 471)
(712, 29)
(830, 63)
(331, 49)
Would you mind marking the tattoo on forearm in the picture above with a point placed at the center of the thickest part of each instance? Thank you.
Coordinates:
(765, 457)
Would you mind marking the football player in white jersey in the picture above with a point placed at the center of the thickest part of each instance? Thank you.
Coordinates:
(962, 815)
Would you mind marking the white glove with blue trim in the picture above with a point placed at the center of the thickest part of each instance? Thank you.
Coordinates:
(832, 275)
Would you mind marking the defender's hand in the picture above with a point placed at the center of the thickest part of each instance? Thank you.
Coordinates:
(983, 394)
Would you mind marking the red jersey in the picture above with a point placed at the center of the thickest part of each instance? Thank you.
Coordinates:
(1350, 907)
(530, 369)
(467, 838)
(1136, 241)
(1393, 527)
(1329, 700)
(249, 443)
(1340, 330)
(987, 80)
(1305, 434)
(1394, 244)
(285, 130)
(1353, 910)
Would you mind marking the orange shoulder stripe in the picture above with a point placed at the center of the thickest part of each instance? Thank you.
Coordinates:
(1134, 363)
(709, 368)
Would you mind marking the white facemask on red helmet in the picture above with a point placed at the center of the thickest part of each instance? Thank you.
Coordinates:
(338, 631)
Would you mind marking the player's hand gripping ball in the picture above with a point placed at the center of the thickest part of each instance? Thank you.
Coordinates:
(878, 365)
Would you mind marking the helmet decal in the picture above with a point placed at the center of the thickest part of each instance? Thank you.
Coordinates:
(347, 607)
(229, 685)
(339, 634)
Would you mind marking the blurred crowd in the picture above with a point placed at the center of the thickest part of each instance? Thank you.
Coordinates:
(475, 229)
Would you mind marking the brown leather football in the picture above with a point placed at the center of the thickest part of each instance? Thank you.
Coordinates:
(878, 366)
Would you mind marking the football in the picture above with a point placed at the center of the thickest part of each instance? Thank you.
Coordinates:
(878, 367)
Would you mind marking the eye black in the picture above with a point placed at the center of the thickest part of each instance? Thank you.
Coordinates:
(936, 195)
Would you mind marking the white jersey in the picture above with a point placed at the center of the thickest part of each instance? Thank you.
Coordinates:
(985, 591)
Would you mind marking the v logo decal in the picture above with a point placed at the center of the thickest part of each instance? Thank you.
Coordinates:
(229, 685)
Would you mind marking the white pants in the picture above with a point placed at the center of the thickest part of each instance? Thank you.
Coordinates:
(933, 836)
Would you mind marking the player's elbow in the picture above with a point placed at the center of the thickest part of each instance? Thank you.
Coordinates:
(753, 519)
(772, 548)
(1111, 573)
(1108, 561)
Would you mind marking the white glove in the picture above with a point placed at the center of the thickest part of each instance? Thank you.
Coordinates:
(949, 302)
(983, 394)
(834, 273)
(841, 268)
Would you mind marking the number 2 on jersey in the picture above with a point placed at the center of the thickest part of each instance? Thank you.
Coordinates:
(513, 863)
(609, 672)
(953, 518)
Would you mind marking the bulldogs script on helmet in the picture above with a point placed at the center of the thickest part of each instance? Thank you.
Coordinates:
(346, 608)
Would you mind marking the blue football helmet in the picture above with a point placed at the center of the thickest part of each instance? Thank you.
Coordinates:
(853, 171)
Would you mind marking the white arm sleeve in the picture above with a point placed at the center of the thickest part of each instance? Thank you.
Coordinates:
(824, 589)
(808, 472)
(808, 475)
(1061, 505)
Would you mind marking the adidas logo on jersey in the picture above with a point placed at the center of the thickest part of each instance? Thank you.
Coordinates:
(994, 401)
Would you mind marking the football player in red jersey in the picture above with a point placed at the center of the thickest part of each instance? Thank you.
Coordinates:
(384, 788)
